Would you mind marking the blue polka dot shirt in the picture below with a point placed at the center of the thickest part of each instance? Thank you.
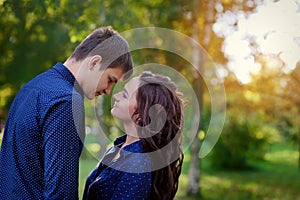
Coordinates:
(125, 178)
(43, 139)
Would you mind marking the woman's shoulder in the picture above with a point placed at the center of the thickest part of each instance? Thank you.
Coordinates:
(135, 162)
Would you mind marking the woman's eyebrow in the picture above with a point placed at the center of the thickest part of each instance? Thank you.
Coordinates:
(125, 91)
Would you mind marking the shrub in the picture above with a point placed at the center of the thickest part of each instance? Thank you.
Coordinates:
(240, 141)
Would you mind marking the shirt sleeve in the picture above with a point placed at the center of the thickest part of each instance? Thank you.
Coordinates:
(63, 128)
(133, 186)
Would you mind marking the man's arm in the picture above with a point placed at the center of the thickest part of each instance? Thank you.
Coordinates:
(63, 126)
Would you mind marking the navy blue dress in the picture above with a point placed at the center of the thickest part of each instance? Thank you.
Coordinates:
(42, 142)
(128, 177)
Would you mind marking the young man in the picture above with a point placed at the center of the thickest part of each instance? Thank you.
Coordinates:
(44, 132)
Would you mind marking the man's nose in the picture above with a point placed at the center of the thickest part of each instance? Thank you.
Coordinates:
(108, 89)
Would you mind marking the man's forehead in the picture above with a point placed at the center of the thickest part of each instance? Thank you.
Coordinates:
(115, 73)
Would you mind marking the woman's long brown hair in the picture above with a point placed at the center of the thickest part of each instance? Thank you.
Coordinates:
(168, 121)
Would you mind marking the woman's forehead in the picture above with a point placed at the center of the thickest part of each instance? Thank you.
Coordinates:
(133, 84)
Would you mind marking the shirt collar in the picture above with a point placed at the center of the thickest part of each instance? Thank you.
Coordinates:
(135, 147)
(63, 70)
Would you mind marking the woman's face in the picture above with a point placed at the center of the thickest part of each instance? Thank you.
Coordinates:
(125, 101)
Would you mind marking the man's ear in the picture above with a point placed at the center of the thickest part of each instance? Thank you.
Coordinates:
(95, 61)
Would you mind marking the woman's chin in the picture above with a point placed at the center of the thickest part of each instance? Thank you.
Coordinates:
(112, 112)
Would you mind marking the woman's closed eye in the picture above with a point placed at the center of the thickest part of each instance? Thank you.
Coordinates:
(124, 95)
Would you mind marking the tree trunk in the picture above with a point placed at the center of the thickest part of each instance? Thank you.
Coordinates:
(194, 187)
(195, 162)
(194, 170)
(299, 150)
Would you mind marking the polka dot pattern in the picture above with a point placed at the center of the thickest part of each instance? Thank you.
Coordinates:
(111, 179)
(39, 157)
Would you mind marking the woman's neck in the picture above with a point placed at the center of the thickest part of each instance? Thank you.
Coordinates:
(131, 133)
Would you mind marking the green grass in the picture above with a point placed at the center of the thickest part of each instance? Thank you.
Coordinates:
(277, 177)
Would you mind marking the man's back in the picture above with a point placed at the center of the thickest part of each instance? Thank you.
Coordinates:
(41, 145)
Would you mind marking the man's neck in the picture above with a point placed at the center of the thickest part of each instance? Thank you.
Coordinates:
(72, 66)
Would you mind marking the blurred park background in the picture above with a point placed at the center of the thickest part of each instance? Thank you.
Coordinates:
(254, 44)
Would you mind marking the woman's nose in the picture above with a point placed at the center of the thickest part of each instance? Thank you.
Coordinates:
(115, 96)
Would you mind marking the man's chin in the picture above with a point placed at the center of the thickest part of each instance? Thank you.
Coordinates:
(90, 97)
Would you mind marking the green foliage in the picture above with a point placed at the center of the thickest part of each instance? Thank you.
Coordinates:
(276, 177)
(240, 141)
(135, 14)
(34, 36)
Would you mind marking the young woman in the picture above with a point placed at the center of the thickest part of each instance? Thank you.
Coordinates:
(145, 163)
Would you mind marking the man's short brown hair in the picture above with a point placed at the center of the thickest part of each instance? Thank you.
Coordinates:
(110, 45)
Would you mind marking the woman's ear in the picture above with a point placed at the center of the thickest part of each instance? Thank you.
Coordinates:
(136, 118)
(95, 61)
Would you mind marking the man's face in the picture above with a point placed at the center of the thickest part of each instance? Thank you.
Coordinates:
(95, 81)
(102, 81)
(109, 77)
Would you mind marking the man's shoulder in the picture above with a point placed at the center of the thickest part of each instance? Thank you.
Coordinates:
(49, 89)
(49, 79)
(50, 83)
